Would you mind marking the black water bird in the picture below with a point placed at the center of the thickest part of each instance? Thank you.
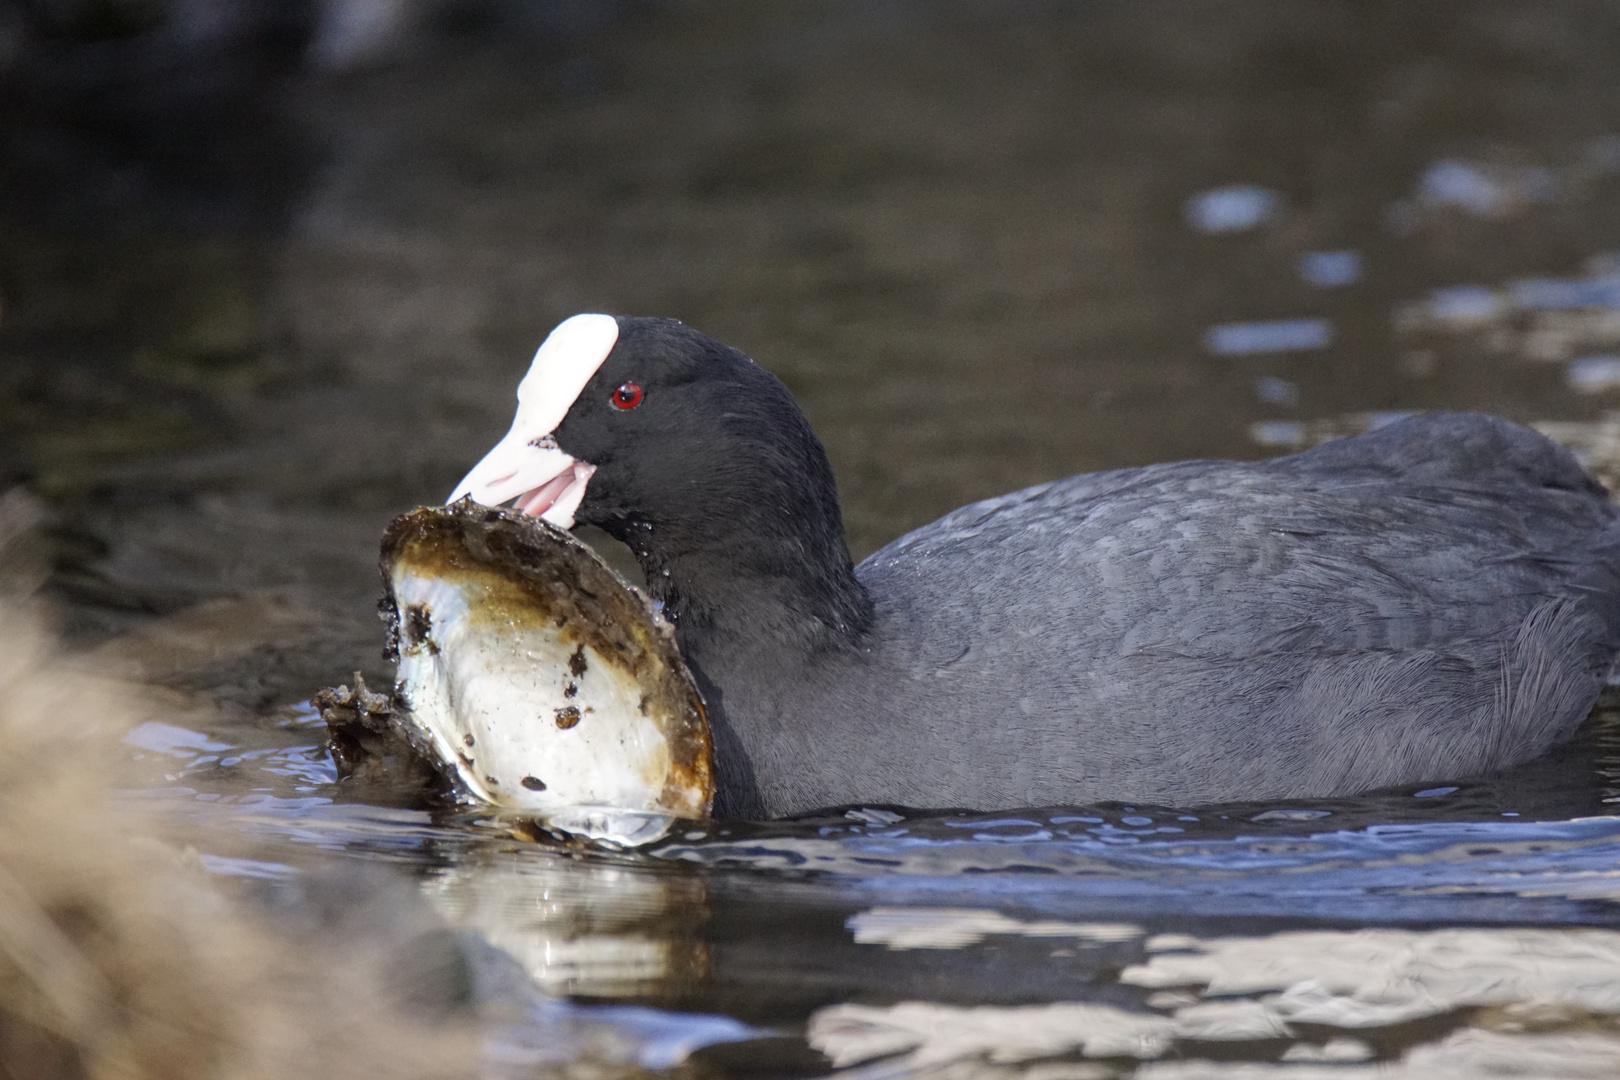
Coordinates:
(1434, 599)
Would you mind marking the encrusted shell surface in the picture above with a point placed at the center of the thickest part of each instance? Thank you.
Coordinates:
(539, 679)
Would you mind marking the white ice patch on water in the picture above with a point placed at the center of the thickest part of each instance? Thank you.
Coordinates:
(1565, 294)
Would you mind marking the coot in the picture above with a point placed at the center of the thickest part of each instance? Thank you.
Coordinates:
(1433, 599)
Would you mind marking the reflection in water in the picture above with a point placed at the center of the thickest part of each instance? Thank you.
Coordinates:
(1378, 978)
(1232, 209)
(1464, 1055)
(556, 1032)
(584, 928)
(1283, 335)
(1060, 943)
(932, 1036)
(1322, 996)
(1485, 190)
(1330, 269)
(1469, 1054)
(1042, 944)
(553, 929)
(1539, 320)
(1594, 374)
(953, 928)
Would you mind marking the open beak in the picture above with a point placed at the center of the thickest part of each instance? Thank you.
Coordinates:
(546, 482)
(527, 464)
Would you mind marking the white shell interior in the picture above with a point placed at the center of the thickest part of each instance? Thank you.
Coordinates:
(489, 696)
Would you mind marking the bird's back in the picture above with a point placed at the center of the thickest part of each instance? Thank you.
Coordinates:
(1433, 599)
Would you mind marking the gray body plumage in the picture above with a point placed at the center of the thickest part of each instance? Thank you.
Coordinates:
(1435, 599)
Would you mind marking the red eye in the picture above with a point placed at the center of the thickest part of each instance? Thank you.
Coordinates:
(627, 396)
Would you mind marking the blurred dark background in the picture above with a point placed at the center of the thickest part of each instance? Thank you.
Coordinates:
(270, 269)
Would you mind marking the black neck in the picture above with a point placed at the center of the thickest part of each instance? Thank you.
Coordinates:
(737, 583)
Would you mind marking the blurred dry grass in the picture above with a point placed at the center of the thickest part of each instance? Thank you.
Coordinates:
(120, 958)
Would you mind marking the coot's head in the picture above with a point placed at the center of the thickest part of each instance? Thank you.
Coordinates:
(681, 447)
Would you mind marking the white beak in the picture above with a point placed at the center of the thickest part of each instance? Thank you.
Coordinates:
(527, 464)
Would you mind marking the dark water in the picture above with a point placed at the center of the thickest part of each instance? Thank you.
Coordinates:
(266, 281)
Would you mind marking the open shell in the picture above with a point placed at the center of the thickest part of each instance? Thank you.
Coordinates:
(538, 679)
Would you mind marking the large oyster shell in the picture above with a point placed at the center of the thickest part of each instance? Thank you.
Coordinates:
(538, 679)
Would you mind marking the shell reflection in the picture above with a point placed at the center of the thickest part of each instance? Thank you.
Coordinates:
(582, 928)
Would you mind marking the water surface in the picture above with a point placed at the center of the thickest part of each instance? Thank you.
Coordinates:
(260, 294)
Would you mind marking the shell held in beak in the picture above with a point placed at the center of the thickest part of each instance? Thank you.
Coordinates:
(539, 681)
